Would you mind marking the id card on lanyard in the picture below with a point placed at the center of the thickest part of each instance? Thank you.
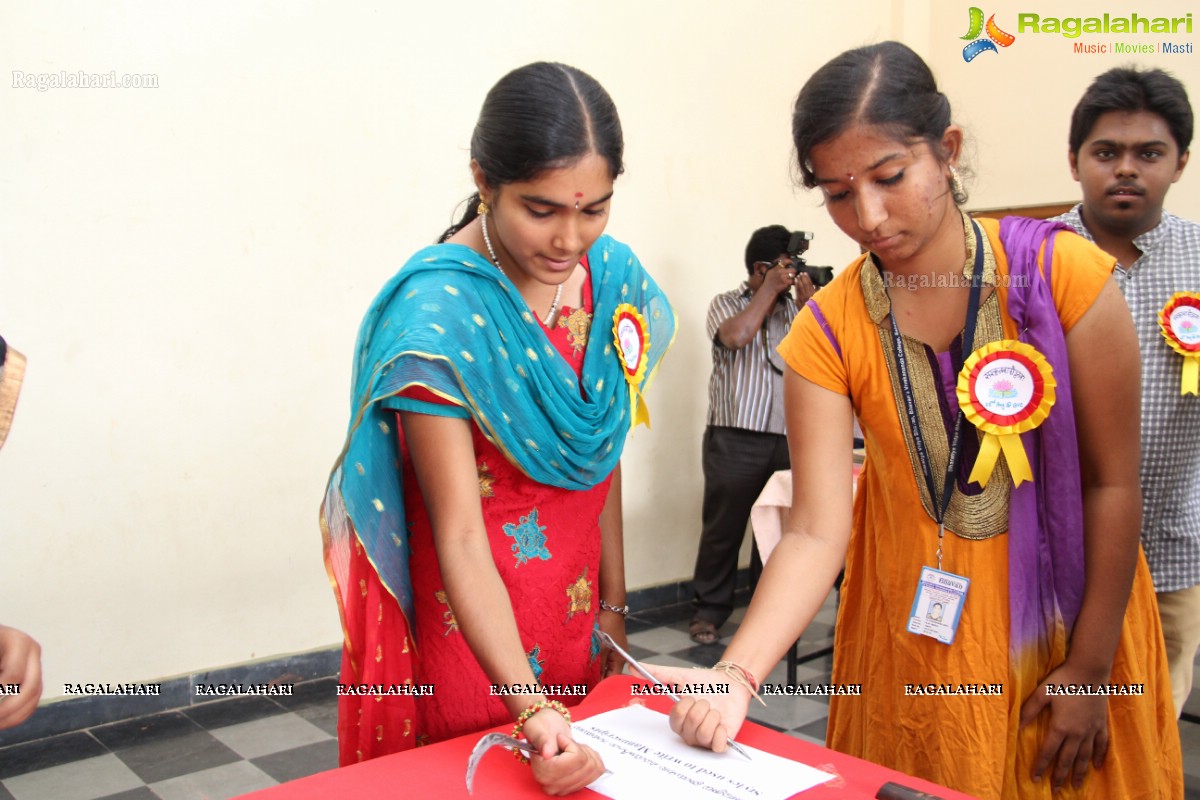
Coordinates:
(940, 597)
(938, 606)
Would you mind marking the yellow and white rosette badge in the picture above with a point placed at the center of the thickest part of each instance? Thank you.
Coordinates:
(1179, 322)
(630, 335)
(1005, 388)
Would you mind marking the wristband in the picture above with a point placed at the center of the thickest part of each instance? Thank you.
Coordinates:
(741, 676)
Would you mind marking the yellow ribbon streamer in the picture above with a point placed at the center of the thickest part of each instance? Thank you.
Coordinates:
(985, 462)
(990, 448)
(1018, 462)
(1191, 376)
(640, 412)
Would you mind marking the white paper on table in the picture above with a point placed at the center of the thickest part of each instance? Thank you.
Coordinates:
(648, 759)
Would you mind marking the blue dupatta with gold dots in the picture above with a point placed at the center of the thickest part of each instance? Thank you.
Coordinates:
(452, 323)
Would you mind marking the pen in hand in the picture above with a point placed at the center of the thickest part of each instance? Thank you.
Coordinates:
(633, 662)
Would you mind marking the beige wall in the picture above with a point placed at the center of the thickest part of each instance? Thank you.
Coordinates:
(186, 266)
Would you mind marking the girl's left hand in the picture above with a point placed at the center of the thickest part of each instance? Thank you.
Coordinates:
(1077, 736)
(611, 662)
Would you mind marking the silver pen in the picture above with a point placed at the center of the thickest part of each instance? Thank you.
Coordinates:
(633, 662)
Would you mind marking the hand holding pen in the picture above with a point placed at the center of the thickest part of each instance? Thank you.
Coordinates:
(697, 722)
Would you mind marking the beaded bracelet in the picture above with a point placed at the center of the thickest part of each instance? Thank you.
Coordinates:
(607, 606)
(524, 716)
(740, 676)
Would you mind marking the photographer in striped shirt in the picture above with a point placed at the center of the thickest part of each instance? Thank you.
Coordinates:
(745, 441)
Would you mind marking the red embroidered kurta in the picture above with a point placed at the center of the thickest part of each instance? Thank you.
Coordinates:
(545, 542)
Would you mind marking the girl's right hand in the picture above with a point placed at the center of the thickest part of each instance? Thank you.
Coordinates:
(708, 720)
(562, 765)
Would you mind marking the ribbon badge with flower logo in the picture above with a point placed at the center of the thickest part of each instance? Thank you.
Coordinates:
(1005, 388)
(1179, 322)
(630, 335)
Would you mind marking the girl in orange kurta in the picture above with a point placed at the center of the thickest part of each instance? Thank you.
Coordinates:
(1059, 594)
(968, 742)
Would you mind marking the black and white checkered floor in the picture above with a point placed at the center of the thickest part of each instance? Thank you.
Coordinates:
(229, 747)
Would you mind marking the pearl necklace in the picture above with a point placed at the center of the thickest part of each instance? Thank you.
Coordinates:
(487, 240)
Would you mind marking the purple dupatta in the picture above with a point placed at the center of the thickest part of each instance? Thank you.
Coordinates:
(1046, 548)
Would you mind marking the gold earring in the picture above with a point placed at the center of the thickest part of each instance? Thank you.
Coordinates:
(482, 208)
(956, 187)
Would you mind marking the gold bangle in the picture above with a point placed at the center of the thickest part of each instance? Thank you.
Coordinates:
(524, 716)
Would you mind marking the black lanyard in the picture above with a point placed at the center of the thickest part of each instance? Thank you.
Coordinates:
(940, 504)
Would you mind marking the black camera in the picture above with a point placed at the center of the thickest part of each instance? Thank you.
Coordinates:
(797, 247)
